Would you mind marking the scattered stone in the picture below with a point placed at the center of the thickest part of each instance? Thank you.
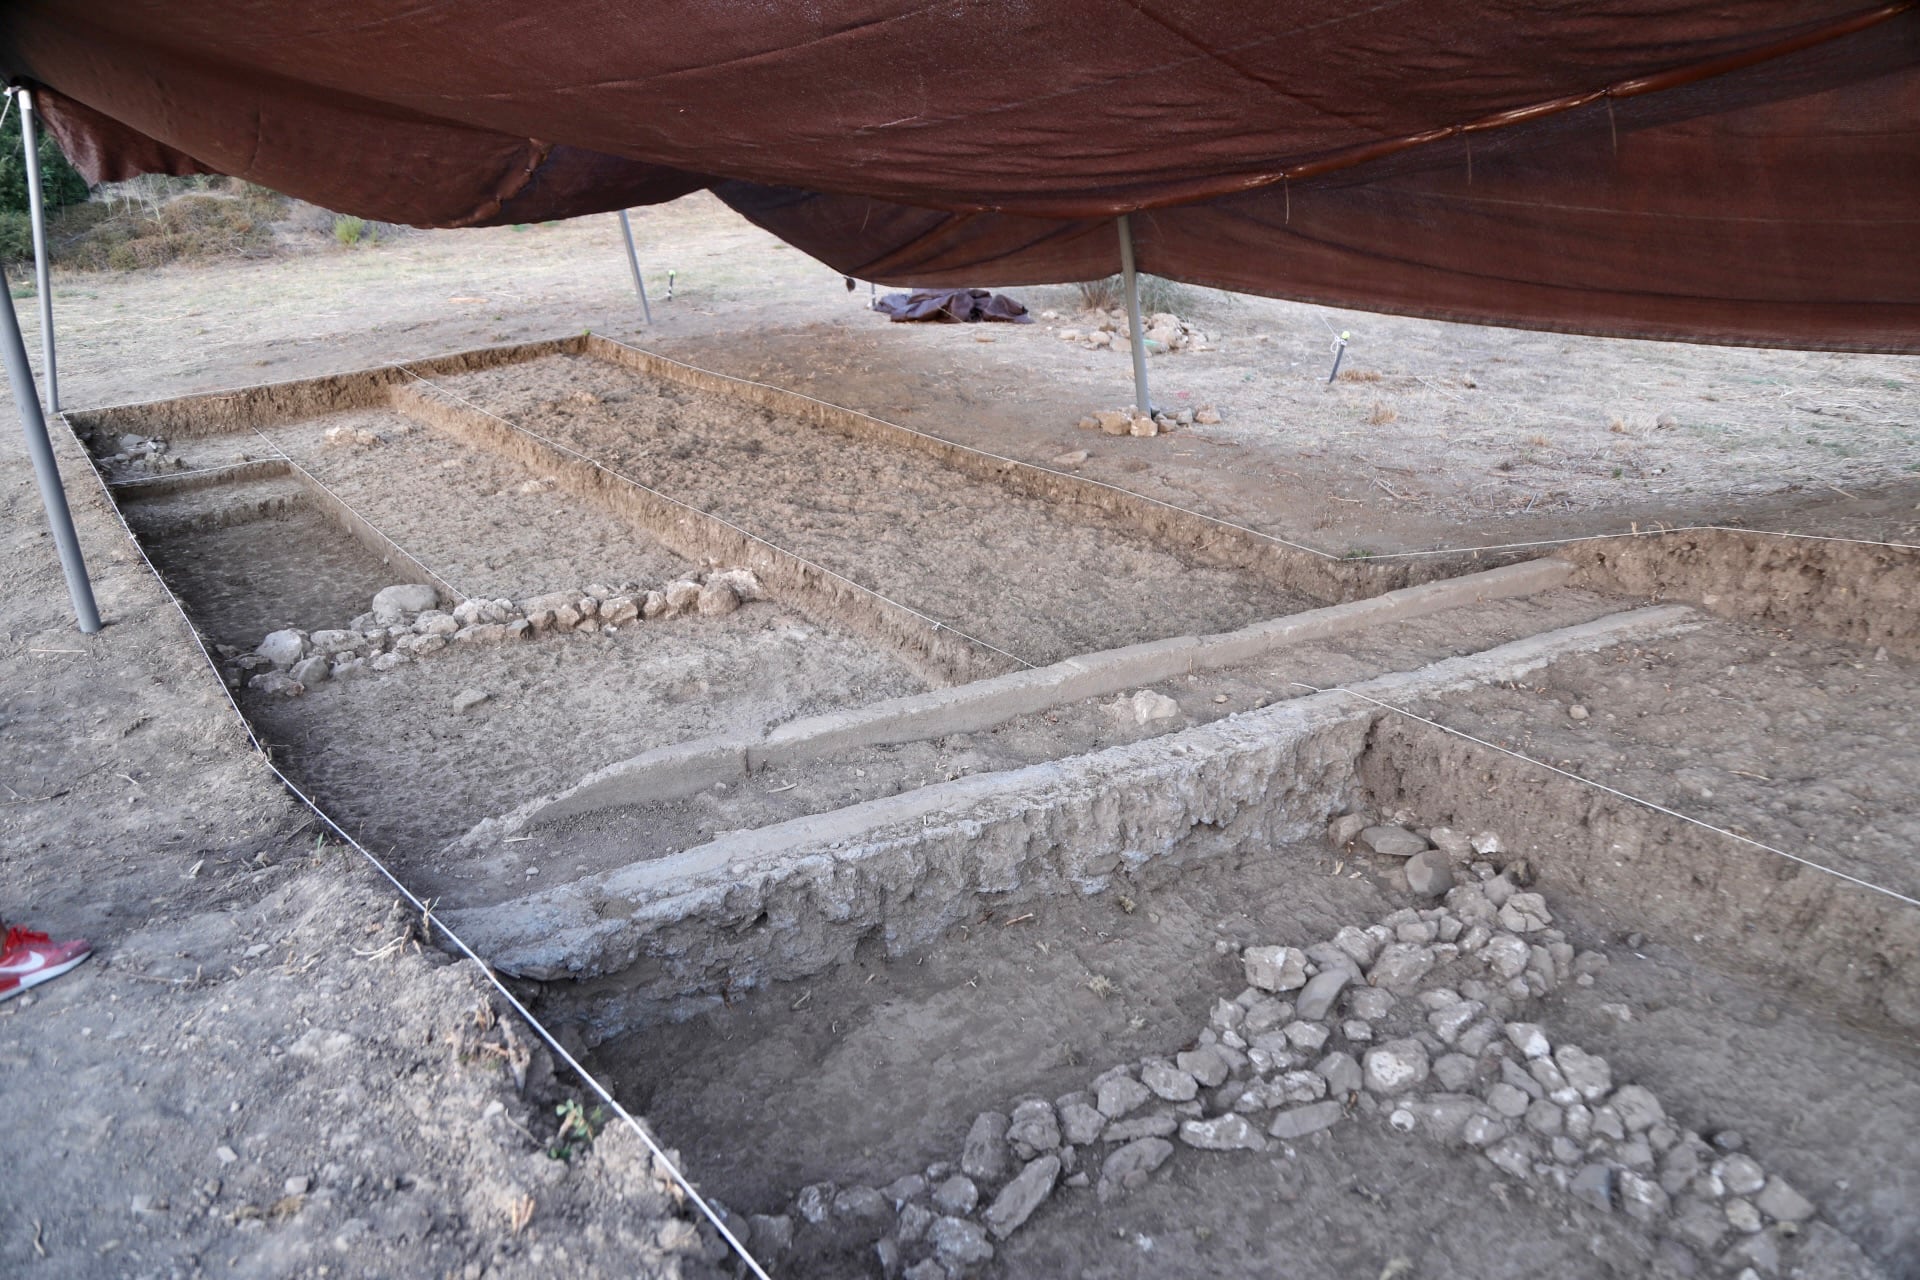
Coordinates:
(1594, 1185)
(682, 596)
(1507, 955)
(861, 1202)
(1298, 1122)
(959, 1243)
(1370, 1003)
(1149, 706)
(390, 604)
(1400, 968)
(1587, 1074)
(1743, 1216)
(814, 1202)
(717, 599)
(985, 1154)
(1641, 1198)
(467, 699)
(1341, 1072)
(1128, 1167)
(1309, 1036)
(1429, 873)
(957, 1195)
(1576, 712)
(1525, 913)
(1342, 830)
(1779, 1200)
(1076, 457)
(1207, 416)
(1207, 1065)
(1019, 1198)
(1395, 1066)
(1639, 1111)
(901, 1190)
(312, 671)
(283, 648)
(1391, 842)
(1222, 1133)
(1120, 1095)
(1081, 1122)
(1454, 1071)
(1143, 427)
(1508, 1100)
(1317, 997)
(1529, 1039)
(1033, 1129)
(1275, 968)
(276, 684)
(1740, 1174)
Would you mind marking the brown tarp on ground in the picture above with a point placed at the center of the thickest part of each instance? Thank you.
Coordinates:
(1659, 168)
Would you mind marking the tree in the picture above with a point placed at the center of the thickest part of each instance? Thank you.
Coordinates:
(60, 183)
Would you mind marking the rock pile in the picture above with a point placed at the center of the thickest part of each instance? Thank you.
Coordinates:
(140, 453)
(406, 624)
(344, 437)
(1165, 332)
(1131, 422)
(1417, 1023)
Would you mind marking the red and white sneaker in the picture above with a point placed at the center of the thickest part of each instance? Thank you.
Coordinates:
(30, 958)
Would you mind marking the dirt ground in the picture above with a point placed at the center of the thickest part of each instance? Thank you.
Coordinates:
(256, 1012)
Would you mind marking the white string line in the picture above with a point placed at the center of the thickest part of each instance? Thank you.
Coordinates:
(1229, 524)
(425, 908)
(391, 541)
(935, 623)
(1614, 791)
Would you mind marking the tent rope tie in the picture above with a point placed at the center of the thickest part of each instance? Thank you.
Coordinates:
(932, 622)
(1896, 895)
(425, 907)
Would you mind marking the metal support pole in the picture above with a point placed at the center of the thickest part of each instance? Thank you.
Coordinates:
(1134, 329)
(33, 424)
(633, 260)
(37, 210)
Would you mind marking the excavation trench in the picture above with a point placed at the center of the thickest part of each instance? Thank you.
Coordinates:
(836, 1004)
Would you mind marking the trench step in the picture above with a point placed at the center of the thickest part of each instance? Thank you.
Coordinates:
(251, 496)
(911, 865)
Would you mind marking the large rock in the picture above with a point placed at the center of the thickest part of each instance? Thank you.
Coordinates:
(1429, 874)
(312, 671)
(1080, 1121)
(1317, 997)
(1400, 968)
(1019, 1198)
(1275, 968)
(717, 599)
(1168, 1081)
(283, 648)
(1395, 1067)
(1391, 842)
(389, 603)
(1222, 1133)
(956, 1195)
(1034, 1129)
(959, 1243)
(1129, 1167)
(1298, 1122)
(1119, 1095)
(985, 1154)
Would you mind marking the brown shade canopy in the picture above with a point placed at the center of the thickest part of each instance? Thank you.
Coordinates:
(1652, 168)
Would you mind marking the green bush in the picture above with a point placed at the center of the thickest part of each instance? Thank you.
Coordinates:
(348, 229)
(16, 237)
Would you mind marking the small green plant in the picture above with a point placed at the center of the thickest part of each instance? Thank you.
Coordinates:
(578, 1127)
(349, 230)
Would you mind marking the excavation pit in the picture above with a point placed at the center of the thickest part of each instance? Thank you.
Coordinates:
(826, 877)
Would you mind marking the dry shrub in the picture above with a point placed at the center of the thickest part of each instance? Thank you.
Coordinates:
(150, 227)
(1156, 294)
(1359, 375)
(1381, 414)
